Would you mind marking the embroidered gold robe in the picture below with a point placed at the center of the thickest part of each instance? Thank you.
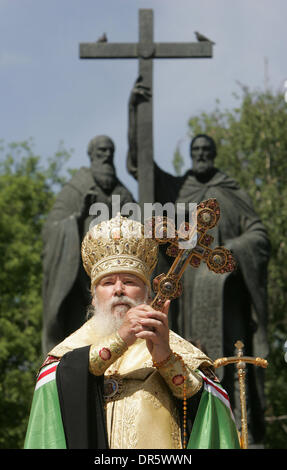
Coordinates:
(140, 408)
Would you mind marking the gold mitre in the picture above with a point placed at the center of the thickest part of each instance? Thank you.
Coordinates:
(118, 245)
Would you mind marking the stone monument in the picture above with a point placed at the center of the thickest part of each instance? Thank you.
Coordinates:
(217, 310)
(66, 293)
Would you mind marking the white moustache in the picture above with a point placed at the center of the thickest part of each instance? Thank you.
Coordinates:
(122, 301)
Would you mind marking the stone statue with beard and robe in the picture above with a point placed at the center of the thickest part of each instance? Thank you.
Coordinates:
(217, 310)
(66, 287)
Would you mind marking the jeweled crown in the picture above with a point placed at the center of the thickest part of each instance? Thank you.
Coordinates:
(118, 246)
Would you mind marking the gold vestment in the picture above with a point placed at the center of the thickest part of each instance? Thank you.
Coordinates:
(142, 413)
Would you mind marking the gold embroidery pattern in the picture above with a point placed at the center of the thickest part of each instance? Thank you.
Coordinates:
(161, 397)
(172, 372)
(139, 398)
(123, 429)
(114, 345)
(146, 397)
(129, 424)
(153, 398)
(119, 245)
(191, 355)
(158, 395)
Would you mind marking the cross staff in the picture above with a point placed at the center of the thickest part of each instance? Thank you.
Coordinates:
(145, 51)
(241, 362)
(218, 260)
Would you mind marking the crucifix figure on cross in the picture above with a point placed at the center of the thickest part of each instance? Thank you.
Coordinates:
(146, 50)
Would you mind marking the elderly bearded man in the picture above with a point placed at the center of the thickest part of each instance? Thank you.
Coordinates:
(121, 380)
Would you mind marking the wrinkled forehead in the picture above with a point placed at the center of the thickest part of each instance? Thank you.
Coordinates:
(113, 277)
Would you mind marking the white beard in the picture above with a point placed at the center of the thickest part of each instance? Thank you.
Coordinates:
(107, 318)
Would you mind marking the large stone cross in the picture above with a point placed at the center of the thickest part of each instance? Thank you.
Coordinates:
(145, 50)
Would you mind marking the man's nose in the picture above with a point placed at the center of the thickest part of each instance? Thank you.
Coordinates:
(119, 288)
(201, 154)
(108, 152)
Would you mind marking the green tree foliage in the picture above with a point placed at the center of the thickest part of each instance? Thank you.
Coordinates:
(26, 195)
(251, 142)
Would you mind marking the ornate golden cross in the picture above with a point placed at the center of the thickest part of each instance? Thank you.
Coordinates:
(241, 362)
(218, 260)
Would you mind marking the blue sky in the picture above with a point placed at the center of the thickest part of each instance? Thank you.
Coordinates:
(49, 94)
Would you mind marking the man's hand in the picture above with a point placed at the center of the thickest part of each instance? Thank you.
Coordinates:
(139, 93)
(144, 322)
